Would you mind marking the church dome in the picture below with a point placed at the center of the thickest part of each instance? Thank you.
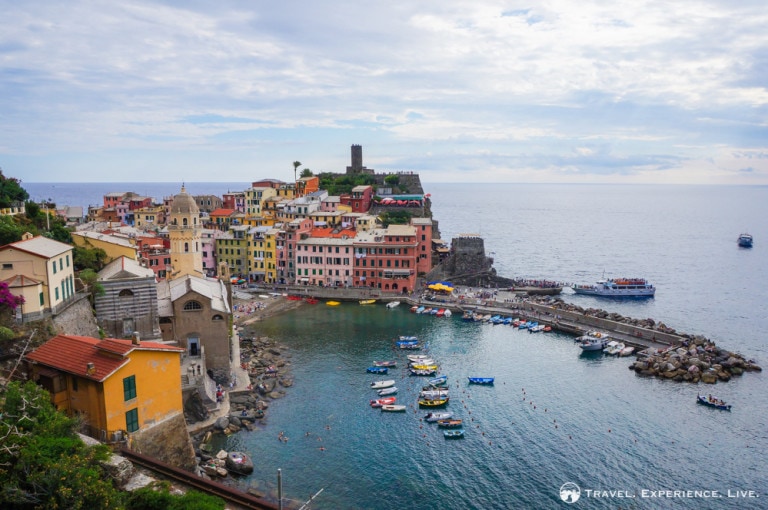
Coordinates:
(183, 203)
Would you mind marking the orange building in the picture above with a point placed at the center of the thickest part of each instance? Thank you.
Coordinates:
(116, 386)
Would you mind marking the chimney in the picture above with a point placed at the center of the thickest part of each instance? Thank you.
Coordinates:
(135, 340)
(90, 368)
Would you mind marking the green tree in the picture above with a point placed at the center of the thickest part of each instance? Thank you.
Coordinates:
(392, 179)
(296, 165)
(306, 173)
(89, 258)
(10, 230)
(11, 191)
(43, 463)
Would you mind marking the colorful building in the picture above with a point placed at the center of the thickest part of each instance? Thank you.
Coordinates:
(114, 386)
(424, 228)
(115, 246)
(386, 259)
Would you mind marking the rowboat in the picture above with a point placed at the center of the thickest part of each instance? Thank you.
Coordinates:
(438, 381)
(389, 364)
(424, 367)
(433, 417)
(377, 370)
(332, 303)
(434, 393)
(393, 304)
(449, 424)
(387, 391)
(404, 338)
(383, 401)
(367, 301)
(422, 363)
(453, 434)
(393, 408)
(421, 371)
(711, 401)
(433, 402)
(378, 385)
(480, 380)
(417, 357)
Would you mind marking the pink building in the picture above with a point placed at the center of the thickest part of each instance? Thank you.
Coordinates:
(285, 244)
(386, 259)
(424, 238)
(324, 261)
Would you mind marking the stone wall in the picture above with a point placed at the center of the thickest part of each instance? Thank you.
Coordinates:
(167, 441)
(77, 319)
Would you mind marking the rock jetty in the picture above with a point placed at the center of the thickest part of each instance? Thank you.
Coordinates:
(697, 359)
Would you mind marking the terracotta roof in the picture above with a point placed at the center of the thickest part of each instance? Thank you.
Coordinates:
(222, 212)
(70, 353)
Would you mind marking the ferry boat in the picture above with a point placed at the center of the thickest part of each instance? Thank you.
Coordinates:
(619, 287)
(745, 240)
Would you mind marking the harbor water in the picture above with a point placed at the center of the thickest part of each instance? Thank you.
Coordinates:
(555, 415)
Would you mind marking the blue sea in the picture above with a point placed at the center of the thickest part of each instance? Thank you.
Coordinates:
(555, 414)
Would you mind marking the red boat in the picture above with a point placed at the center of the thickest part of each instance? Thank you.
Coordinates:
(383, 401)
(311, 301)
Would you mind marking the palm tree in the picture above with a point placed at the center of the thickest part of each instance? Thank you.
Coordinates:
(296, 164)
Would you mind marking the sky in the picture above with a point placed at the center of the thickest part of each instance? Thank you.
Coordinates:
(594, 91)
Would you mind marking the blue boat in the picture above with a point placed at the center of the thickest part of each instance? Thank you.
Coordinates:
(711, 401)
(745, 240)
(438, 381)
(377, 370)
(480, 380)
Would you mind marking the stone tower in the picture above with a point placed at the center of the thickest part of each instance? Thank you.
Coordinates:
(357, 167)
(185, 233)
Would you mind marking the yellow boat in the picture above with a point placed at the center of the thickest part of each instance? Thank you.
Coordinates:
(367, 301)
(332, 303)
(425, 367)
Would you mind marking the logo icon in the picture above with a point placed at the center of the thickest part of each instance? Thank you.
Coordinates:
(570, 492)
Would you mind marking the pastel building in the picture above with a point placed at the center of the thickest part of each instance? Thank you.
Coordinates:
(285, 248)
(386, 259)
(424, 228)
(325, 261)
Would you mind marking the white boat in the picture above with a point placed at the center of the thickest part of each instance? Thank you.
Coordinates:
(626, 351)
(618, 288)
(378, 385)
(447, 313)
(387, 391)
(393, 304)
(536, 328)
(417, 357)
(425, 361)
(393, 408)
(433, 417)
(434, 394)
(613, 347)
(593, 344)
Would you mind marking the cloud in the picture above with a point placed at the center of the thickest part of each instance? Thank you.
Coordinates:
(450, 89)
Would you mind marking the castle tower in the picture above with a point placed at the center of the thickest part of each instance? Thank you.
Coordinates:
(357, 162)
(185, 233)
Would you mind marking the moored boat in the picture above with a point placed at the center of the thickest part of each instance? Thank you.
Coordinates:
(711, 401)
(618, 287)
(422, 371)
(332, 303)
(626, 351)
(453, 433)
(387, 391)
(433, 402)
(613, 347)
(367, 301)
(377, 370)
(393, 304)
(377, 385)
(593, 344)
(480, 380)
(434, 393)
(438, 381)
(383, 401)
(449, 424)
(388, 364)
(436, 416)
(393, 408)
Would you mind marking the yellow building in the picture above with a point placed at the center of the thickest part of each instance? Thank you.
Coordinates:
(114, 246)
(116, 386)
(254, 197)
(232, 250)
(48, 266)
(185, 231)
(150, 217)
(270, 254)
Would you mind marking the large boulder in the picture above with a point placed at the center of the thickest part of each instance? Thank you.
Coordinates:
(709, 377)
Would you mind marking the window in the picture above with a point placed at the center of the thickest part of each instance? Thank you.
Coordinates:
(192, 306)
(7, 266)
(218, 317)
(54, 267)
(129, 388)
(126, 292)
(132, 420)
(57, 293)
(42, 299)
(61, 264)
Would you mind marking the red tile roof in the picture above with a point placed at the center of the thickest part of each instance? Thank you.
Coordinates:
(70, 353)
(223, 212)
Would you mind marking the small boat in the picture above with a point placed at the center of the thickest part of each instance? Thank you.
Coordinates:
(332, 303)
(433, 417)
(523, 325)
(711, 401)
(453, 433)
(387, 391)
(426, 311)
(447, 313)
(547, 329)
(433, 402)
(383, 401)
(593, 344)
(419, 310)
(440, 312)
(422, 371)
(417, 357)
(613, 347)
(367, 301)
(480, 380)
(433, 393)
(377, 370)
(428, 361)
(410, 347)
(393, 304)
(378, 385)
(468, 316)
(626, 351)
(449, 424)
(438, 381)
(311, 301)
(393, 408)
(414, 308)
(745, 240)
(404, 338)
(434, 311)
(388, 364)
(424, 366)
